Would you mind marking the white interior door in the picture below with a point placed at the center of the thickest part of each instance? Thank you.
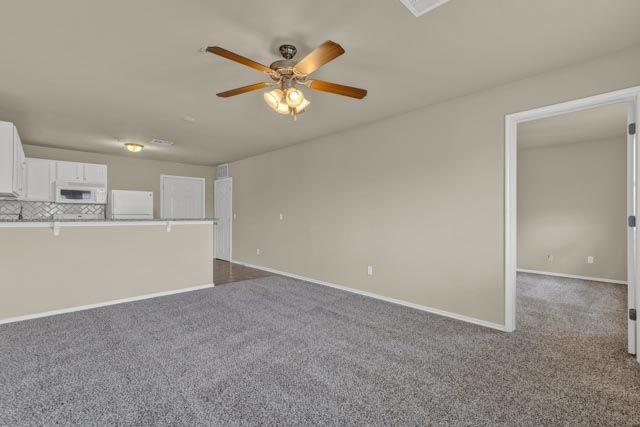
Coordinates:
(223, 207)
(633, 270)
(181, 197)
(631, 230)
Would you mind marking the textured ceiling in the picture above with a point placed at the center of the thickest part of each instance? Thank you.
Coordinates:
(82, 74)
(588, 125)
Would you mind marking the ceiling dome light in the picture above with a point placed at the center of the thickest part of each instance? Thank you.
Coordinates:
(294, 97)
(134, 148)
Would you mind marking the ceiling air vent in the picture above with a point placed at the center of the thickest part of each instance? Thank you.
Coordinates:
(156, 141)
(420, 7)
(223, 171)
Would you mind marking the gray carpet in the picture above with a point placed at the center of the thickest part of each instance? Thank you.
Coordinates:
(279, 351)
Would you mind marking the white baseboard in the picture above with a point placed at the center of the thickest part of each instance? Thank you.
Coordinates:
(572, 276)
(380, 297)
(103, 304)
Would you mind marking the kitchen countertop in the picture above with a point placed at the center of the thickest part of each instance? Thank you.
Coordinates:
(106, 220)
(57, 224)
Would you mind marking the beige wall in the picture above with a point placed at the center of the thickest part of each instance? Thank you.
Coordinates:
(419, 196)
(572, 204)
(126, 173)
(87, 265)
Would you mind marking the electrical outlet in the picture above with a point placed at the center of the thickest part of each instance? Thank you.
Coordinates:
(281, 216)
(589, 259)
(550, 258)
(257, 251)
(370, 270)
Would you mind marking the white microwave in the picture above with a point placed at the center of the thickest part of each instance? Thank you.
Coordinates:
(81, 192)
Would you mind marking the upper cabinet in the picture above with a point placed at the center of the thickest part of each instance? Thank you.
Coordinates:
(34, 179)
(42, 175)
(69, 171)
(81, 172)
(40, 180)
(95, 174)
(12, 162)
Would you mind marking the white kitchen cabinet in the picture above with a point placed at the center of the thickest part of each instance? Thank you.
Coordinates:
(69, 171)
(95, 174)
(20, 162)
(81, 172)
(12, 162)
(40, 180)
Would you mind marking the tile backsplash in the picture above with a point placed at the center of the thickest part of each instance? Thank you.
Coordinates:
(9, 209)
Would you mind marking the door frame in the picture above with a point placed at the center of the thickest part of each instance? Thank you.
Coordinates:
(204, 192)
(631, 96)
(230, 179)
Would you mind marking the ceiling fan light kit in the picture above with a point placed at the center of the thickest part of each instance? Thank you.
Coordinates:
(283, 103)
(286, 73)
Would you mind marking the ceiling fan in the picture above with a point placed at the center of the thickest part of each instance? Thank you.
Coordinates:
(286, 74)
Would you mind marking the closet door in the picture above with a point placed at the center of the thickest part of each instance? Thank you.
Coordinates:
(181, 197)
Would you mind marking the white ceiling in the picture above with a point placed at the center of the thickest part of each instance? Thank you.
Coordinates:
(83, 73)
(595, 124)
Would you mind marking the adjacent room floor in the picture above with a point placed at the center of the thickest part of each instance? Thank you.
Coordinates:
(280, 351)
(229, 272)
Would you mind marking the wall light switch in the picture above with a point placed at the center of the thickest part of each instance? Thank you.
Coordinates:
(370, 270)
(257, 251)
(234, 216)
(281, 216)
(589, 260)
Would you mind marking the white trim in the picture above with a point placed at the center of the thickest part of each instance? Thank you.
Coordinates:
(104, 304)
(510, 235)
(573, 276)
(630, 95)
(381, 297)
(230, 179)
(624, 95)
(204, 191)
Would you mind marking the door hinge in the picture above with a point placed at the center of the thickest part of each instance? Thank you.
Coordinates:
(632, 314)
(632, 128)
(632, 220)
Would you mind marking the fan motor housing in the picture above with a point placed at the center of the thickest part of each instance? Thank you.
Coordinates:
(283, 66)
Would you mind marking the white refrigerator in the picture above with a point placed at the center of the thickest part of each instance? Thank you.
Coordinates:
(125, 204)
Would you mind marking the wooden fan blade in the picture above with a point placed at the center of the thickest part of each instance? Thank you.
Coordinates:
(327, 51)
(216, 50)
(243, 89)
(349, 91)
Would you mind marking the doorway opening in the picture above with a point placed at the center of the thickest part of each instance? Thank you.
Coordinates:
(555, 225)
